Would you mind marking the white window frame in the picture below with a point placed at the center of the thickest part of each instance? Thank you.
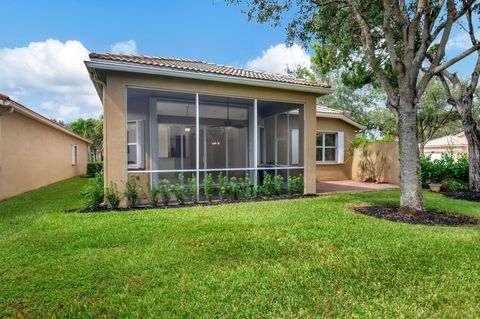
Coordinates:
(139, 143)
(325, 147)
(74, 155)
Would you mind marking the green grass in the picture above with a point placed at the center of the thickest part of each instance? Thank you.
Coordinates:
(297, 258)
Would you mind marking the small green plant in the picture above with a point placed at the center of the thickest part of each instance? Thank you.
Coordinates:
(453, 186)
(112, 196)
(257, 191)
(295, 185)
(277, 184)
(247, 189)
(234, 187)
(94, 192)
(93, 168)
(192, 188)
(165, 191)
(153, 192)
(179, 190)
(267, 186)
(207, 187)
(133, 192)
(222, 186)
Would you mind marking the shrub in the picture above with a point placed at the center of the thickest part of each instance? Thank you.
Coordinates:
(257, 191)
(234, 187)
(112, 196)
(132, 192)
(277, 184)
(153, 192)
(295, 185)
(192, 188)
(207, 186)
(222, 186)
(267, 185)
(179, 190)
(94, 168)
(453, 186)
(445, 168)
(247, 188)
(94, 192)
(165, 191)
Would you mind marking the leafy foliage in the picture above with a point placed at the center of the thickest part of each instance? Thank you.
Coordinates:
(222, 186)
(193, 189)
(179, 190)
(153, 192)
(133, 192)
(234, 189)
(267, 186)
(112, 195)
(295, 185)
(91, 129)
(247, 192)
(165, 191)
(207, 187)
(94, 168)
(94, 192)
(277, 184)
(446, 168)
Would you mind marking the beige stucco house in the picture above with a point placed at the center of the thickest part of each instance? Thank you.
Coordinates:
(452, 144)
(35, 151)
(167, 116)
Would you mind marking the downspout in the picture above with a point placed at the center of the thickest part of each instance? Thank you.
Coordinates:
(104, 90)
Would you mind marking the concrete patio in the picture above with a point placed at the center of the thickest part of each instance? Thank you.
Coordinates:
(329, 187)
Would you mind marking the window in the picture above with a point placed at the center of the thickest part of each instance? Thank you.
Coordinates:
(74, 155)
(135, 144)
(330, 147)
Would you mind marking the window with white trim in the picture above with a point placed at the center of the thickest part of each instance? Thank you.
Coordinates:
(327, 147)
(74, 155)
(135, 144)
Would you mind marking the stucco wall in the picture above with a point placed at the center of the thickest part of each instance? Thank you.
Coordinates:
(115, 115)
(336, 172)
(390, 169)
(33, 155)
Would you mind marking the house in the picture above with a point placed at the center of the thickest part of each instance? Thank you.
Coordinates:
(35, 151)
(166, 116)
(452, 144)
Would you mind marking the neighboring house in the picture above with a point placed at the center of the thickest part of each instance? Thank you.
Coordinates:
(336, 130)
(35, 151)
(167, 116)
(452, 144)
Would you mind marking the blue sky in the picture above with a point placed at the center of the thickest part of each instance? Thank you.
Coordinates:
(43, 44)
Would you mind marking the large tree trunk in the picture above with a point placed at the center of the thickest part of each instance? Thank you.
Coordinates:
(411, 198)
(472, 133)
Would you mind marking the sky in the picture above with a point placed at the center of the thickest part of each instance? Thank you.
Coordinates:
(43, 45)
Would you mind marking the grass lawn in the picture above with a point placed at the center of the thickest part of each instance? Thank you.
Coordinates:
(308, 257)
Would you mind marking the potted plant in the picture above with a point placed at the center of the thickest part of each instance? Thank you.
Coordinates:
(435, 184)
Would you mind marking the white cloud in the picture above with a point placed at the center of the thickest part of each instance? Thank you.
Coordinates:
(279, 58)
(50, 77)
(126, 47)
(459, 41)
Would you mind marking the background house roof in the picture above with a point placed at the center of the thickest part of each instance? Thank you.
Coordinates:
(323, 111)
(447, 141)
(19, 108)
(204, 67)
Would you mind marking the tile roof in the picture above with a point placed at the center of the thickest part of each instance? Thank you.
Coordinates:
(4, 97)
(446, 141)
(204, 67)
(328, 110)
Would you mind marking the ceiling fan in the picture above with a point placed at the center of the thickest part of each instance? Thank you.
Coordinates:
(228, 123)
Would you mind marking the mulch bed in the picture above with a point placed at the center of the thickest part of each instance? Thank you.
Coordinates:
(429, 218)
(470, 196)
(190, 204)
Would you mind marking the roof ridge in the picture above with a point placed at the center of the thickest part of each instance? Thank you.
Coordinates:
(203, 67)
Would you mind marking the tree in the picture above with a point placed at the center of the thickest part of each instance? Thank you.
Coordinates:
(461, 96)
(436, 117)
(91, 129)
(384, 42)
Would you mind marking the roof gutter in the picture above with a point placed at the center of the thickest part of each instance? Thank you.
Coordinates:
(146, 69)
(343, 118)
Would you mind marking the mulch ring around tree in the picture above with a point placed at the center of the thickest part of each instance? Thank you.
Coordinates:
(429, 218)
(470, 196)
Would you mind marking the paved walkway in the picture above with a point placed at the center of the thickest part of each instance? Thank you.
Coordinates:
(350, 186)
